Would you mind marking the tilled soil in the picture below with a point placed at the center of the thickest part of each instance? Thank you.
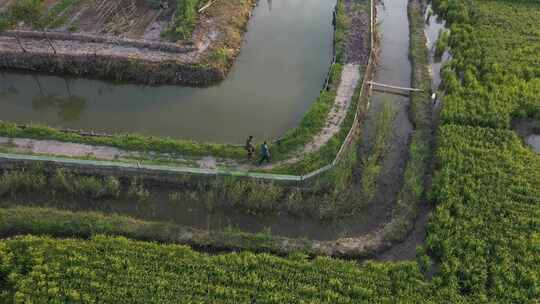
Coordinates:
(134, 22)
(120, 18)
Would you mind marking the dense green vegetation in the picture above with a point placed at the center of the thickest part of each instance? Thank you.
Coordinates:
(115, 270)
(28, 11)
(494, 75)
(184, 21)
(484, 234)
(442, 43)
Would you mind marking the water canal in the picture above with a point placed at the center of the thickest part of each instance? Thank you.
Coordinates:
(263, 106)
(277, 76)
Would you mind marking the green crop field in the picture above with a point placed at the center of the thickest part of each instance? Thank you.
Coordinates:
(116, 270)
(485, 231)
(496, 54)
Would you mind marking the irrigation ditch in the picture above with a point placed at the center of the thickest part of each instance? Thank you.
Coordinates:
(395, 206)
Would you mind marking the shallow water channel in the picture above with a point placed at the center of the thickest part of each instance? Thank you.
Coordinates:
(278, 75)
(393, 68)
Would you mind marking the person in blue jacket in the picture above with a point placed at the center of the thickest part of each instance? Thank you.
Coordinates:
(265, 153)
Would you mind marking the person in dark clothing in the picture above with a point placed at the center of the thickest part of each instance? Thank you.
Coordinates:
(250, 148)
(265, 153)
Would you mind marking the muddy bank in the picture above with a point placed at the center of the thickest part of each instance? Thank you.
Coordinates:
(107, 66)
(183, 47)
(104, 54)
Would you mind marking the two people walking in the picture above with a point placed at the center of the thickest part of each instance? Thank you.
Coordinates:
(265, 150)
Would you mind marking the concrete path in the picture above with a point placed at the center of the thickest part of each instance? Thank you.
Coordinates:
(105, 153)
(349, 81)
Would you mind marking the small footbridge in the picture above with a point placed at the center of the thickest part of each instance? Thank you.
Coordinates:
(392, 88)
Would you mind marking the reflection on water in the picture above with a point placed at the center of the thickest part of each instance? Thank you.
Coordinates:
(529, 130)
(534, 142)
(277, 76)
(69, 108)
(433, 28)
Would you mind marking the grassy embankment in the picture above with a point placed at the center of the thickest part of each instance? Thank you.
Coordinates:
(184, 21)
(61, 223)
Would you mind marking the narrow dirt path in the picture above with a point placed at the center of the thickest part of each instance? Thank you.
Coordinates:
(349, 81)
(52, 147)
(106, 153)
(358, 37)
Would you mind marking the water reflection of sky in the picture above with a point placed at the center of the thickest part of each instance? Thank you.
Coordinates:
(534, 141)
